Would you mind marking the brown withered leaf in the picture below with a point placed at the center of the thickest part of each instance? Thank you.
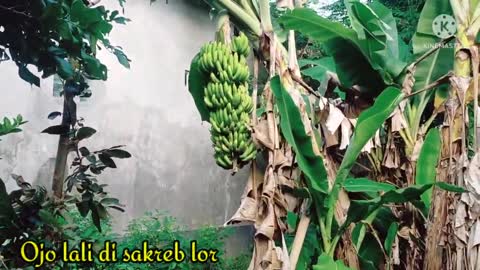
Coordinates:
(334, 119)
(285, 258)
(474, 245)
(461, 84)
(280, 160)
(346, 129)
(409, 81)
(392, 156)
(247, 211)
(261, 135)
(269, 185)
(460, 224)
(330, 139)
(416, 149)
(473, 174)
(398, 120)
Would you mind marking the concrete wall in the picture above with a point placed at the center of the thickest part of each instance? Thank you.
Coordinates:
(148, 108)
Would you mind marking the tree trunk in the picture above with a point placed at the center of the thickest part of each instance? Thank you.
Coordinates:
(68, 119)
(449, 227)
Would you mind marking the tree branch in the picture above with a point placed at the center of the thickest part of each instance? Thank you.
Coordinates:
(442, 80)
(13, 10)
(431, 51)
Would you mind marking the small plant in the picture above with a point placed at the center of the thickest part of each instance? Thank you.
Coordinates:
(11, 126)
(90, 196)
(29, 214)
(161, 230)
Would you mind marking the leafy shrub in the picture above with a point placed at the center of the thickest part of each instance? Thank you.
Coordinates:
(161, 230)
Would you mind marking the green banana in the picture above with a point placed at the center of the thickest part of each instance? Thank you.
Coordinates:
(227, 98)
(240, 45)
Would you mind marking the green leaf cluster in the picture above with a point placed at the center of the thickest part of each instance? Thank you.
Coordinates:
(57, 37)
(11, 126)
(373, 44)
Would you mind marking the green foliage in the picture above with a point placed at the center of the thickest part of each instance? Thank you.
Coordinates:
(308, 22)
(338, 12)
(196, 83)
(237, 263)
(327, 263)
(90, 196)
(402, 17)
(377, 59)
(311, 248)
(29, 214)
(293, 130)
(392, 232)
(426, 172)
(11, 126)
(378, 29)
(318, 70)
(441, 61)
(368, 123)
(370, 58)
(7, 214)
(405, 12)
(57, 37)
(428, 71)
(366, 185)
(23, 216)
(360, 210)
(160, 231)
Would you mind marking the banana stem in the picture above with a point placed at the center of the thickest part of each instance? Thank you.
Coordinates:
(459, 10)
(331, 251)
(265, 18)
(325, 235)
(248, 8)
(426, 125)
(476, 63)
(292, 50)
(223, 29)
(298, 240)
(242, 15)
(255, 90)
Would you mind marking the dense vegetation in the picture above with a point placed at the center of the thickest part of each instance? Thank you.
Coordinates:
(161, 230)
(57, 37)
(363, 157)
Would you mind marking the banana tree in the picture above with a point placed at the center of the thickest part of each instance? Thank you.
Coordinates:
(314, 144)
(455, 215)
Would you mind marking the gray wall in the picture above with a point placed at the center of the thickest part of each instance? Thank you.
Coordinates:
(148, 108)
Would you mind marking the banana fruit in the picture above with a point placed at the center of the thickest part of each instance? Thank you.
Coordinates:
(228, 101)
(240, 45)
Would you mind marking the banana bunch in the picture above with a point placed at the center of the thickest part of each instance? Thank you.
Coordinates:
(228, 101)
(240, 45)
(218, 95)
(222, 65)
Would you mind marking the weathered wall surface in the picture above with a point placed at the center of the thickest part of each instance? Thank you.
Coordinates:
(147, 108)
